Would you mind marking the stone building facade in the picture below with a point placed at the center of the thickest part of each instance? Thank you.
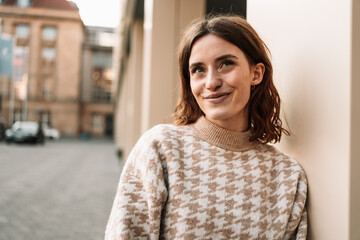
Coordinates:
(54, 79)
(50, 36)
(97, 87)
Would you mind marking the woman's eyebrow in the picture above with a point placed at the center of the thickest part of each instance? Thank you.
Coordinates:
(218, 59)
(226, 56)
(195, 64)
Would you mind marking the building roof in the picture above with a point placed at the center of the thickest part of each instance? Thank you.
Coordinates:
(73, 4)
(54, 4)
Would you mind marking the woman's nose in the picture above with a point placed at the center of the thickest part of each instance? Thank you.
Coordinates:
(213, 80)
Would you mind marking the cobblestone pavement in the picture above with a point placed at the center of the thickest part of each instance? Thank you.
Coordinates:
(62, 190)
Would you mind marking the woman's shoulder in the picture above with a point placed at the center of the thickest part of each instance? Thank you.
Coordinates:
(156, 136)
(154, 143)
(280, 160)
(164, 131)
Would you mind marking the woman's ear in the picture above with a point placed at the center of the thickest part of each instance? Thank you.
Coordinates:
(259, 70)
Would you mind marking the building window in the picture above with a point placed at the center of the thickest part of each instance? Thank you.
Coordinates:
(20, 65)
(101, 59)
(49, 33)
(101, 85)
(48, 57)
(48, 61)
(101, 77)
(97, 122)
(48, 73)
(23, 31)
(23, 3)
(48, 87)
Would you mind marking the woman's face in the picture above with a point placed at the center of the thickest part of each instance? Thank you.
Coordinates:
(221, 79)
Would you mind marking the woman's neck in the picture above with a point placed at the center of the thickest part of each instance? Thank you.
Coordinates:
(221, 137)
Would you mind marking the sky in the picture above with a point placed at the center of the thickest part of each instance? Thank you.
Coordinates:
(99, 12)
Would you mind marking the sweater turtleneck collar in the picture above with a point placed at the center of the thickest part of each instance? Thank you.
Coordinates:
(221, 137)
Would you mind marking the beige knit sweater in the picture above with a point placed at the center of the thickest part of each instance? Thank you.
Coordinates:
(201, 181)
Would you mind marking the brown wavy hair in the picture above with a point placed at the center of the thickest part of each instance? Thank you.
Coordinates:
(264, 102)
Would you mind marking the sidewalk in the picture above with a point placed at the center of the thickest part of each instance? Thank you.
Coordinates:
(62, 190)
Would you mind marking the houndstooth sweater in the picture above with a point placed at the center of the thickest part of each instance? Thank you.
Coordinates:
(201, 181)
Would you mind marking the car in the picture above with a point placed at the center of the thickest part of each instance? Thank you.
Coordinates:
(50, 132)
(2, 131)
(24, 132)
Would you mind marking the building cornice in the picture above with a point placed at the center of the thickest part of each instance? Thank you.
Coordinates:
(39, 13)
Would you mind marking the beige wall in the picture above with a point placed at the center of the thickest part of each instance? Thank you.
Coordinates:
(121, 116)
(311, 52)
(355, 127)
(149, 87)
(163, 23)
(134, 87)
(129, 110)
(159, 61)
(315, 72)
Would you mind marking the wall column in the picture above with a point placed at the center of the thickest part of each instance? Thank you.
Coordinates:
(314, 70)
(159, 61)
(162, 24)
(355, 127)
(149, 90)
(134, 87)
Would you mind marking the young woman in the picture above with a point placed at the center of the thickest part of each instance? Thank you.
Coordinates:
(212, 174)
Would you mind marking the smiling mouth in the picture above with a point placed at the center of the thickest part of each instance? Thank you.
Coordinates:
(217, 97)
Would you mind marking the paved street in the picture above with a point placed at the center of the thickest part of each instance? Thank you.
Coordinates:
(62, 190)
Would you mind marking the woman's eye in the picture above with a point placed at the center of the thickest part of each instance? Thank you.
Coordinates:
(197, 70)
(226, 63)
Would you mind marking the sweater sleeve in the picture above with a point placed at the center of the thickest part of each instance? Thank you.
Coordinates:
(301, 232)
(298, 222)
(141, 194)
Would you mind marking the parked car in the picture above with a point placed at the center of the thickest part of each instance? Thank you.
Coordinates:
(24, 131)
(50, 132)
(2, 131)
